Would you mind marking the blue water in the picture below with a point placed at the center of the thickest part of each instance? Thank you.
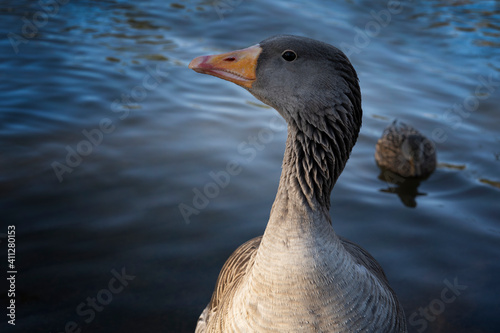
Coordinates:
(105, 132)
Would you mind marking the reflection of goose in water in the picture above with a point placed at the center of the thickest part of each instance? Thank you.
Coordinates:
(300, 276)
(405, 152)
(405, 158)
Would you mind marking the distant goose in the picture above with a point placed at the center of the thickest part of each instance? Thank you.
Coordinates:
(406, 152)
(300, 276)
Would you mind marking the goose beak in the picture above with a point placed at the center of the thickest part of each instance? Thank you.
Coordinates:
(237, 66)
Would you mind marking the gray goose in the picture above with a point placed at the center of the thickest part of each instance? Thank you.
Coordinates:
(300, 276)
(405, 151)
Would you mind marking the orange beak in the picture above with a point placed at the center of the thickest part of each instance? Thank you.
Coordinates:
(236, 66)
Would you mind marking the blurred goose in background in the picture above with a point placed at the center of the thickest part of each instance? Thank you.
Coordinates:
(405, 151)
(300, 276)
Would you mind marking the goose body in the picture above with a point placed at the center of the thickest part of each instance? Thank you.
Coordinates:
(405, 151)
(300, 276)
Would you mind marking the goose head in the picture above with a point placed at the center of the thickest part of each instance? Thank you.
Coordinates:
(299, 77)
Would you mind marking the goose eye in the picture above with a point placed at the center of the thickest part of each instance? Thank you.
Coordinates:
(289, 55)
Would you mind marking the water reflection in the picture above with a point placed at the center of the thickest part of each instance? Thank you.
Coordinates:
(406, 188)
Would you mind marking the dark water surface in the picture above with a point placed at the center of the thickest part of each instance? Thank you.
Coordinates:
(104, 132)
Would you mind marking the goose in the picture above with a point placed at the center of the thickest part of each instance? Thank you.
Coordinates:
(300, 276)
(405, 151)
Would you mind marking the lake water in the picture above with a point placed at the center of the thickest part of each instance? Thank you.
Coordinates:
(105, 132)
